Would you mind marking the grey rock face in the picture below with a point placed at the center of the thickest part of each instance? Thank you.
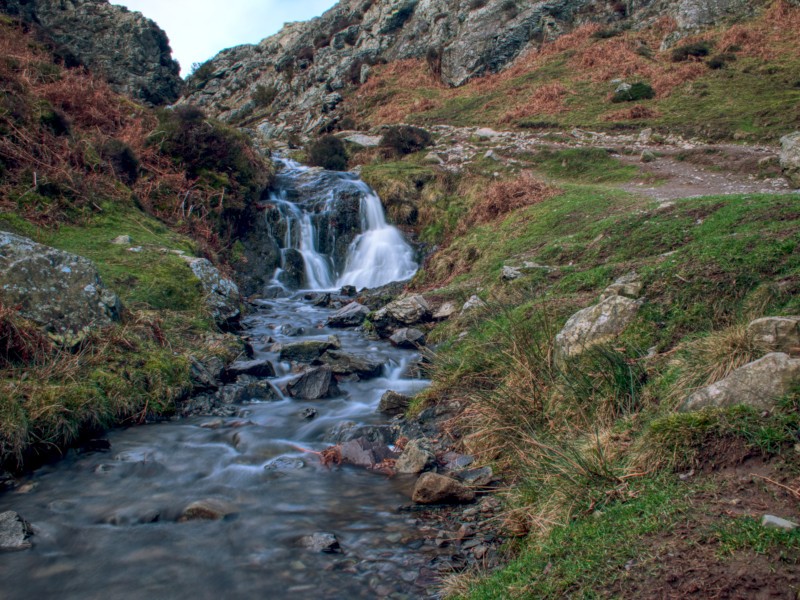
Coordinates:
(596, 325)
(124, 47)
(777, 334)
(14, 532)
(221, 294)
(790, 158)
(314, 384)
(61, 292)
(758, 384)
(406, 311)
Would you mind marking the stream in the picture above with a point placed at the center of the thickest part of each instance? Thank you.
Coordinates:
(107, 523)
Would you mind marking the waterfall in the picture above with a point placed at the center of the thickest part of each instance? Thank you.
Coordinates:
(306, 200)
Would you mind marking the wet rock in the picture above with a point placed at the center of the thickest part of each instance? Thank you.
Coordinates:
(348, 430)
(222, 296)
(432, 488)
(314, 384)
(758, 384)
(321, 542)
(364, 453)
(596, 325)
(404, 312)
(416, 457)
(209, 509)
(61, 292)
(308, 413)
(773, 522)
(321, 300)
(255, 390)
(445, 311)
(285, 463)
(473, 303)
(133, 516)
(348, 291)
(790, 158)
(291, 330)
(308, 350)
(205, 375)
(777, 334)
(342, 363)
(393, 403)
(254, 368)
(351, 315)
(408, 338)
(15, 532)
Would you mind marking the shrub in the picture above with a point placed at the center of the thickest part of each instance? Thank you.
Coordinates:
(264, 95)
(405, 139)
(510, 8)
(21, 342)
(202, 72)
(434, 59)
(720, 61)
(329, 153)
(56, 122)
(638, 91)
(123, 160)
(691, 50)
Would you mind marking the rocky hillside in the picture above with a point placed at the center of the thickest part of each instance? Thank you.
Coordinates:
(305, 71)
(130, 51)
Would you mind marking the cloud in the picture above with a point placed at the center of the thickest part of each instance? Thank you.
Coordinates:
(199, 29)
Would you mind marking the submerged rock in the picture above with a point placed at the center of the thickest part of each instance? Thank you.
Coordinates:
(758, 384)
(209, 509)
(321, 542)
(314, 384)
(438, 489)
(14, 532)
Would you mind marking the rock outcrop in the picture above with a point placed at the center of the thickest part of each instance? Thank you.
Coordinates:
(61, 292)
(222, 296)
(301, 73)
(595, 325)
(777, 334)
(790, 158)
(130, 51)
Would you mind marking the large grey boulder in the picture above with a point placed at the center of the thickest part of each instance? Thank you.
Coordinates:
(343, 363)
(314, 384)
(351, 315)
(595, 325)
(758, 384)
(14, 532)
(255, 368)
(222, 296)
(127, 49)
(61, 292)
(308, 350)
(790, 158)
(408, 337)
(777, 334)
(406, 311)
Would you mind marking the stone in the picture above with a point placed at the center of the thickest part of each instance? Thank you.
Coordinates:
(777, 334)
(321, 542)
(596, 325)
(647, 156)
(407, 311)
(343, 363)
(433, 158)
(15, 532)
(416, 457)
(408, 338)
(122, 240)
(209, 509)
(629, 285)
(758, 384)
(254, 368)
(480, 477)
(790, 158)
(510, 273)
(222, 296)
(363, 452)
(308, 413)
(365, 141)
(393, 403)
(314, 384)
(445, 311)
(486, 133)
(432, 488)
(773, 522)
(351, 315)
(308, 350)
(201, 376)
(255, 390)
(129, 50)
(473, 303)
(59, 291)
(645, 135)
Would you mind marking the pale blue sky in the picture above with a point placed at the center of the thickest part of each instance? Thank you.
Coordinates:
(198, 29)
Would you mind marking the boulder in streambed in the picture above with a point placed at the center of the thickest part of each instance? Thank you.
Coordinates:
(342, 363)
(254, 368)
(321, 542)
(758, 384)
(351, 315)
(417, 457)
(314, 384)
(432, 488)
(409, 310)
(363, 452)
(308, 350)
(61, 292)
(15, 532)
(408, 337)
(393, 403)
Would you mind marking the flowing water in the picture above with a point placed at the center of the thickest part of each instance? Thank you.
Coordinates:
(107, 523)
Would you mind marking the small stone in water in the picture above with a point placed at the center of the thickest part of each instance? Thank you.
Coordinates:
(308, 413)
(321, 542)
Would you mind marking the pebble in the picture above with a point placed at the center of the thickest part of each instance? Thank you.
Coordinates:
(773, 522)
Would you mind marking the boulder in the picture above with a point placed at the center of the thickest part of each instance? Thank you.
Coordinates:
(473, 303)
(445, 311)
(629, 285)
(404, 312)
(14, 532)
(201, 375)
(314, 384)
(365, 141)
(362, 452)
(254, 390)
(61, 292)
(351, 315)
(510, 273)
(416, 457)
(321, 542)
(222, 296)
(342, 363)
(209, 509)
(409, 338)
(393, 403)
(790, 158)
(596, 325)
(773, 522)
(254, 368)
(345, 431)
(758, 384)
(777, 334)
(432, 488)
(309, 350)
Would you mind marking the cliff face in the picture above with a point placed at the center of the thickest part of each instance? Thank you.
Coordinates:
(127, 49)
(300, 72)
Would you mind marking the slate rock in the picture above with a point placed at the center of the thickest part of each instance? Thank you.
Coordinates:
(314, 384)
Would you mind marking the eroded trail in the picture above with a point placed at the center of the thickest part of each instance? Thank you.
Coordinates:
(108, 524)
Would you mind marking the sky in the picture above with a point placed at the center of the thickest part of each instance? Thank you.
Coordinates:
(198, 29)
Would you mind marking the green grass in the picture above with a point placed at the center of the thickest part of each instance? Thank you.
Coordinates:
(583, 165)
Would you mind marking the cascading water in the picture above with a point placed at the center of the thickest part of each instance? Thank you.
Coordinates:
(378, 254)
